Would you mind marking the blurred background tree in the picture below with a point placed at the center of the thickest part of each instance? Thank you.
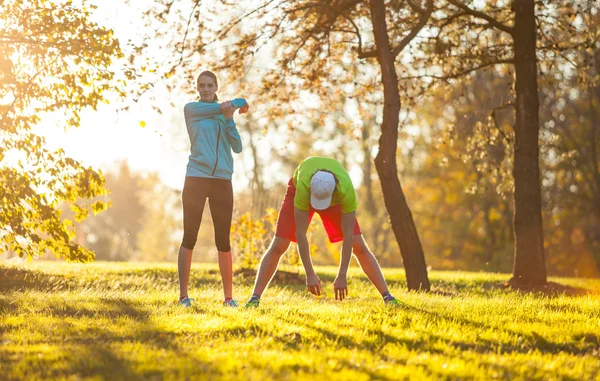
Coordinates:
(53, 60)
(455, 147)
(142, 224)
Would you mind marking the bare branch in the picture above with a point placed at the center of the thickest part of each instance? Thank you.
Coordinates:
(415, 30)
(461, 73)
(361, 52)
(235, 22)
(492, 21)
(368, 53)
(493, 115)
(187, 28)
(416, 8)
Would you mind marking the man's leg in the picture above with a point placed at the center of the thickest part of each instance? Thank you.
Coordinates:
(369, 264)
(269, 264)
(286, 227)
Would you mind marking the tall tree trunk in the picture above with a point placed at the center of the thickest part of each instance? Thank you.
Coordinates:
(594, 136)
(401, 218)
(595, 159)
(529, 260)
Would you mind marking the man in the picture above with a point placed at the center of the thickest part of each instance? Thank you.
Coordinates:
(320, 185)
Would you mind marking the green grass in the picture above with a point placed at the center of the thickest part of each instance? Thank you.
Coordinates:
(119, 321)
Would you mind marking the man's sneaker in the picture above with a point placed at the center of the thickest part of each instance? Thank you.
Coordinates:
(390, 300)
(253, 302)
(186, 302)
(230, 303)
(394, 302)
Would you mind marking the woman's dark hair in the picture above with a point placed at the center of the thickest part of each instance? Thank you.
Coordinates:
(212, 75)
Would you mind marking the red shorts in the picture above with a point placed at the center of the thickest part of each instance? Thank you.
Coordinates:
(331, 217)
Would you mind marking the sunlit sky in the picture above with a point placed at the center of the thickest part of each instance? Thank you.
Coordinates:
(107, 136)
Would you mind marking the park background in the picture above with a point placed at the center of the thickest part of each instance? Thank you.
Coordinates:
(454, 147)
(441, 103)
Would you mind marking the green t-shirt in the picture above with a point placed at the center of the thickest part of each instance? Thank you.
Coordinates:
(343, 194)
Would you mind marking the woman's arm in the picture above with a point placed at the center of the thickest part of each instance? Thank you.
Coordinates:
(201, 109)
(233, 136)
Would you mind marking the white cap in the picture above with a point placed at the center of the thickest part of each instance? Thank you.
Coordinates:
(322, 186)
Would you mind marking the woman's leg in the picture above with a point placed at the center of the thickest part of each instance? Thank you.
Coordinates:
(226, 268)
(194, 198)
(184, 263)
(221, 209)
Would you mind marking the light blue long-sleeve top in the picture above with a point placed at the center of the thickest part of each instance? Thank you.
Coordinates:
(212, 138)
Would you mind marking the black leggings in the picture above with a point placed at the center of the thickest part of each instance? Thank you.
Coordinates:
(220, 199)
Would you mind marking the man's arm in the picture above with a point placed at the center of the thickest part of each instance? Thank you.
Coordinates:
(340, 285)
(312, 280)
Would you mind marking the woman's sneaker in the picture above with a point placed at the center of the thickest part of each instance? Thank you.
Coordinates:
(186, 302)
(230, 303)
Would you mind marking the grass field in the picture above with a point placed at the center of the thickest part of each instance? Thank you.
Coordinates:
(117, 321)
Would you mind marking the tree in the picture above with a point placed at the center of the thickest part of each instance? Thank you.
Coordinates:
(143, 222)
(471, 38)
(460, 168)
(571, 152)
(54, 60)
(385, 161)
(113, 234)
(311, 42)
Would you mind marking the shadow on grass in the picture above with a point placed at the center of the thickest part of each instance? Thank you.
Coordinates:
(101, 351)
(550, 289)
(443, 287)
(98, 359)
(581, 344)
(454, 287)
(21, 279)
(523, 370)
(586, 343)
(525, 343)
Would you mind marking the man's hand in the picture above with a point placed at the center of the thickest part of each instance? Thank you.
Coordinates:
(340, 287)
(227, 109)
(313, 284)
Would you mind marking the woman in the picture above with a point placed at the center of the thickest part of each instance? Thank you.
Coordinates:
(213, 136)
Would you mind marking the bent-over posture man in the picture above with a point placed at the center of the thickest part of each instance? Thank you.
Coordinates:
(320, 185)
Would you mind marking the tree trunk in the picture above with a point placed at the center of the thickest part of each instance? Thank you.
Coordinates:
(401, 218)
(529, 262)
